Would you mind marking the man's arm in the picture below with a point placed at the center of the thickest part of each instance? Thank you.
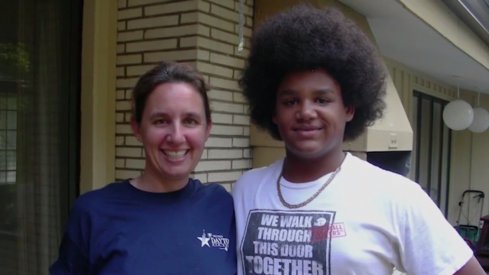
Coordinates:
(472, 267)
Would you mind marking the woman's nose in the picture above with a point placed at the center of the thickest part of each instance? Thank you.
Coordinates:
(176, 134)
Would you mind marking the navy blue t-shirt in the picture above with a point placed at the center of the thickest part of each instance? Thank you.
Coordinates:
(122, 230)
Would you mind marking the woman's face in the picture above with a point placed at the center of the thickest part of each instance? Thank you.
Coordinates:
(310, 114)
(173, 130)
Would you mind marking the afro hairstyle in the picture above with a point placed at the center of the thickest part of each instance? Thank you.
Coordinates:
(307, 38)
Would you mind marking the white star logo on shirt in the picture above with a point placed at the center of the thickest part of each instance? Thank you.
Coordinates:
(204, 240)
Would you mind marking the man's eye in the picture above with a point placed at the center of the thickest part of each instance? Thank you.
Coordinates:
(289, 102)
(323, 100)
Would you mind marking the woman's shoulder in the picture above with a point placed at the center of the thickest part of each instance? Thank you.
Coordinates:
(96, 198)
(211, 189)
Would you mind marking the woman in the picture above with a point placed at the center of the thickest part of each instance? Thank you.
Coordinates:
(161, 222)
(313, 80)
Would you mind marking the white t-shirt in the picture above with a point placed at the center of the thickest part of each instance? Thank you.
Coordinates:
(366, 221)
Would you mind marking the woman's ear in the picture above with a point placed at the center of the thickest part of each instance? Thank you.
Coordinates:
(136, 129)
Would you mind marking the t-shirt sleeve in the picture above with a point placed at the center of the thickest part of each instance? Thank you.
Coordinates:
(429, 244)
(72, 258)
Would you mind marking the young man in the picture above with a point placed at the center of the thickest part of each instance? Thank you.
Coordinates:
(313, 80)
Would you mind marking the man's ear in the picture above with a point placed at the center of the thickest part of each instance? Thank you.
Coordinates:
(350, 112)
(136, 129)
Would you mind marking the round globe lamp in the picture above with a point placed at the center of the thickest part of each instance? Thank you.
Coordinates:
(481, 120)
(458, 115)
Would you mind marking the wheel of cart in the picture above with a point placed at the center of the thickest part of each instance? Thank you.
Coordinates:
(468, 222)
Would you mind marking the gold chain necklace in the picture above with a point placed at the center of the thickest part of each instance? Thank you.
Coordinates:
(306, 202)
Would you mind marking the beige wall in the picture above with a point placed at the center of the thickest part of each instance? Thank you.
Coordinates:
(97, 94)
(205, 34)
(470, 153)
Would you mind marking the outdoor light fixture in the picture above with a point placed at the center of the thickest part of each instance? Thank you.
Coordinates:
(481, 118)
(458, 114)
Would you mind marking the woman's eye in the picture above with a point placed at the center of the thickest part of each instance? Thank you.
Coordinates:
(159, 121)
(190, 121)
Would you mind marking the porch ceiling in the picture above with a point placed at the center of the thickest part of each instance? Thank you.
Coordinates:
(405, 38)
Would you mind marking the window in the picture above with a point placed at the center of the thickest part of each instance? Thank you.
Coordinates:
(431, 148)
(39, 129)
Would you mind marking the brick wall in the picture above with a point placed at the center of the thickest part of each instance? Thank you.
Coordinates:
(204, 33)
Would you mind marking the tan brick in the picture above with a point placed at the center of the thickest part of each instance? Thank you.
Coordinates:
(218, 142)
(214, 69)
(241, 142)
(247, 10)
(119, 140)
(244, 52)
(144, 2)
(226, 130)
(212, 165)
(247, 153)
(134, 152)
(121, 26)
(225, 153)
(190, 17)
(120, 163)
(238, 97)
(213, 21)
(246, 131)
(225, 36)
(138, 70)
(123, 174)
(224, 83)
(132, 141)
(241, 164)
(228, 14)
(152, 45)
(120, 72)
(123, 129)
(121, 48)
(129, 36)
(221, 95)
(203, 55)
(227, 60)
(119, 117)
(177, 7)
(121, 4)
(241, 120)
(219, 106)
(129, 59)
(129, 13)
(152, 22)
(177, 31)
(170, 56)
(126, 82)
(222, 118)
(135, 163)
(119, 94)
(123, 105)
(225, 3)
(223, 176)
